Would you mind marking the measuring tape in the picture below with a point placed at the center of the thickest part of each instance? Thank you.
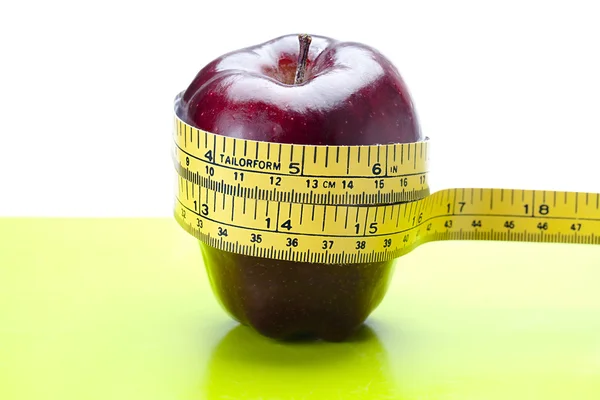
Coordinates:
(351, 204)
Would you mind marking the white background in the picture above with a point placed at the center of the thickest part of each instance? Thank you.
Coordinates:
(507, 91)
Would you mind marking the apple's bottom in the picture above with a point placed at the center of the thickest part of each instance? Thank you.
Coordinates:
(289, 300)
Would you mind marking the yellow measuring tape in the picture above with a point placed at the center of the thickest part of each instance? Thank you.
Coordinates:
(351, 204)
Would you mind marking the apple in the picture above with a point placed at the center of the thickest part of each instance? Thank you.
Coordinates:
(300, 89)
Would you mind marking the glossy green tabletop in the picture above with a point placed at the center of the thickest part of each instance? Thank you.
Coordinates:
(122, 309)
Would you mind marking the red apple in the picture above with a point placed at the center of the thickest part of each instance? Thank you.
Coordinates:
(301, 90)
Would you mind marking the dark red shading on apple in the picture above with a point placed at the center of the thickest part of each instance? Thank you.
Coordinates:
(350, 94)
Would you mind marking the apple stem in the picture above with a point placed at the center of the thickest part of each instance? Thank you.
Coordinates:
(304, 40)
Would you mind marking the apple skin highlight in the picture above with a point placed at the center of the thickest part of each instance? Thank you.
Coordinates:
(350, 95)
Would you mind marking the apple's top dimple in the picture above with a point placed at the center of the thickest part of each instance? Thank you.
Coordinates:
(327, 86)
(263, 58)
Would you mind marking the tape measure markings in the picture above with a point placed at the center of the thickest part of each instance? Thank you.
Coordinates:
(306, 189)
(286, 151)
(224, 208)
(300, 174)
(391, 179)
(273, 167)
(304, 212)
(309, 196)
(306, 246)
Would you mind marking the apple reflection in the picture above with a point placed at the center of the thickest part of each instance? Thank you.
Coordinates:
(246, 365)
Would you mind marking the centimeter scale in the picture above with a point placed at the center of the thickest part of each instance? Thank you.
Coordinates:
(350, 204)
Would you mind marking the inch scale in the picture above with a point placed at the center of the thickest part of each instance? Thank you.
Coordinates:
(351, 204)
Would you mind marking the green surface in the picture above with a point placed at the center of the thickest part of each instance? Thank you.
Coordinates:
(122, 309)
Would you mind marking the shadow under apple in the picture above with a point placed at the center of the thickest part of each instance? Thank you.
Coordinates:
(246, 365)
